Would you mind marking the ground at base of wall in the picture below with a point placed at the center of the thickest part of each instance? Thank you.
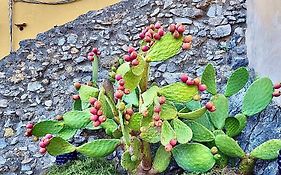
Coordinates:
(84, 167)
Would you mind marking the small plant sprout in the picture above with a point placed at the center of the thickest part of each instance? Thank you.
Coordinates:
(136, 113)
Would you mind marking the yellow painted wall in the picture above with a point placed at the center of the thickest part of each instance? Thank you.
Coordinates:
(40, 18)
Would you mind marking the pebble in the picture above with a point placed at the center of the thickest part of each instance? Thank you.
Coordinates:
(34, 86)
(3, 103)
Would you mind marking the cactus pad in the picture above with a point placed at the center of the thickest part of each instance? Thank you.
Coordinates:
(123, 69)
(234, 125)
(151, 135)
(131, 80)
(194, 157)
(179, 92)
(229, 146)
(267, 150)
(132, 98)
(161, 160)
(110, 126)
(149, 95)
(168, 111)
(66, 133)
(183, 132)
(77, 119)
(218, 117)
(106, 108)
(86, 92)
(237, 81)
(77, 105)
(47, 127)
(138, 70)
(193, 114)
(135, 121)
(127, 162)
(99, 148)
(200, 133)
(167, 133)
(58, 146)
(164, 49)
(209, 79)
(257, 97)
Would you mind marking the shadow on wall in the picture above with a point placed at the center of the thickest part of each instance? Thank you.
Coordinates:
(39, 18)
(263, 37)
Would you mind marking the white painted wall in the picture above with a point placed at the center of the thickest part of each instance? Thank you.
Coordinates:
(263, 37)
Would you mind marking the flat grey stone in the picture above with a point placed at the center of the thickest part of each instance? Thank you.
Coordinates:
(221, 31)
(34, 86)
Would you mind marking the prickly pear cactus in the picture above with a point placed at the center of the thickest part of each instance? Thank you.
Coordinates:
(267, 150)
(229, 146)
(63, 148)
(234, 125)
(161, 160)
(218, 117)
(209, 79)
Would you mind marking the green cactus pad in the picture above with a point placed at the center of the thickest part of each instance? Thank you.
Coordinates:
(257, 97)
(218, 132)
(218, 117)
(106, 108)
(131, 80)
(110, 126)
(267, 150)
(149, 95)
(167, 133)
(209, 79)
(123, 69)
(193, 105)
(99, 148)
(234, 125)
(164, 49)
(200, 132)
(161, 160)
(151, 135)
(136, 145)
(179, 92)
(193, 114)
(135, 121)
(127, 163)
(138, 70)
(168, 111)
(86, 92)
(46, 127)
(229, 146)
(77, 119)
(222, 161)
(183, 132)
(132, 98)
(205, 121)
(66, 133)
(59, 146)
(77, 105)
(237, 81)
(146, 121)
(194, 157)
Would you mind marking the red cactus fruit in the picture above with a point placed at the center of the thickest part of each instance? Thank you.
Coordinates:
(135, 62)
(96, 123)
(42, 145)
(145, 113)
(121, 88)
(92, 100)
(147, 39)
(202, 87)
(127, 91)
(152, 26)
(168, 147)
(197, 81)
(42, 150)
(76, 97)
(99, 113)
(156, 117)
(173, 142)
(77, 85)
(176, 34)
(209, 105)
(277, 86)
(187, 39)
(156, 36)
(180, 28)
(161, 32)
(129, 111)
(59, 117)
(48, 136)
(172, 28)
(102, 118)
(127, 58)
(130, 50)
(93, 111)
(133, 55)
(127, 117)
(157, 109)
(186, 46)
(276, 93)
(97, 105)
(95, 50)
(46, 141)
(162, 100)
(121, 82)
(28, 134)
(157, 25)
(145, 48)
(141, 35)
(158, 123)
(91, 58)
(190, 82)
(213, 109)
(118, 94)
(118, 77)
(94, 117)
(184, 78)
(29, 126)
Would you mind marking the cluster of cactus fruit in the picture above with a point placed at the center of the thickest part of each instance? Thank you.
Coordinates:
(198, 135)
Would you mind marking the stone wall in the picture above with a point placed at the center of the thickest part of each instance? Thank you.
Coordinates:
(35, 82)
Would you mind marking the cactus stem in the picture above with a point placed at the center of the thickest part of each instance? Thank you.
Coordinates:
(95, 67)
(247, 165)
(124, 132)
(144, 81)
(146, 156)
